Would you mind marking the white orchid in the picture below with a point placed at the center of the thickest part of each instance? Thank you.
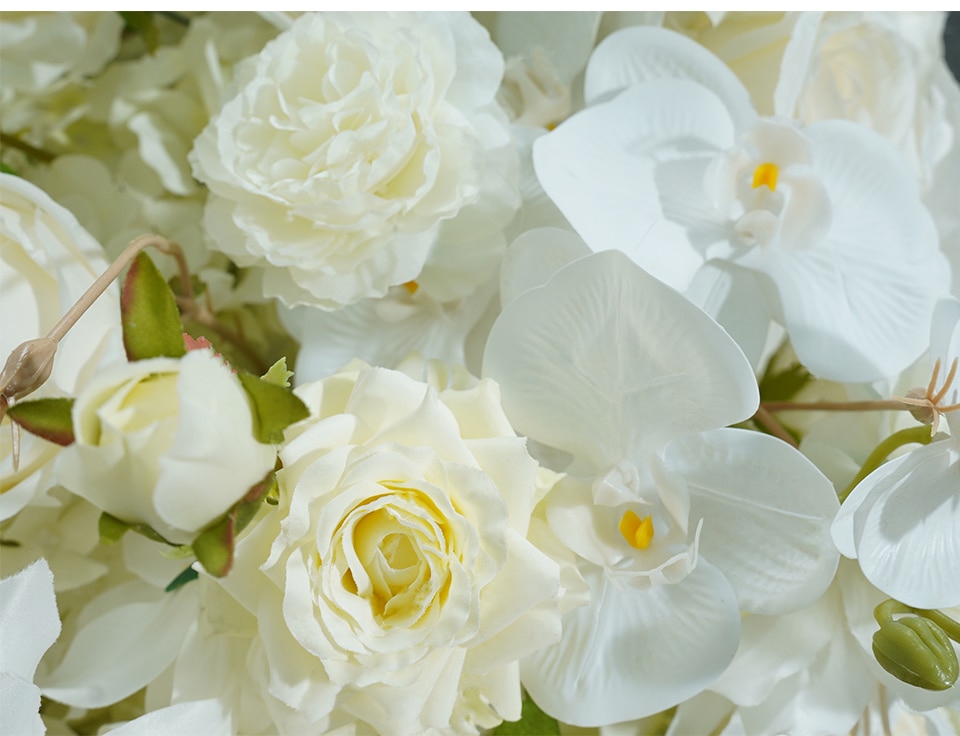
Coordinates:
(820, 227)
(901, 521)
(678, 525)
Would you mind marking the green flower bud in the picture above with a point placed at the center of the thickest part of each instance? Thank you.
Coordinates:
(916, 651)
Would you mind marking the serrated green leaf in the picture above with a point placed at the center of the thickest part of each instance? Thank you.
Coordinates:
(274, 408)
(182, 579)
(214, 546)
(148, 312)
(144, 24)
(47, 418)
(278, 374)
(533, 722)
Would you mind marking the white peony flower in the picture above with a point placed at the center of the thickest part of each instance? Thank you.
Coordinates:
(357, 147)
(901, 521)
(396, 586)
(677, 525)
(47, 261)
(164, 442)
(821, 228)
(30, 624)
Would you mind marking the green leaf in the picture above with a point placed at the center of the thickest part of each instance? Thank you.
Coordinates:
(148, 311)
(143, 23)
(47, 418)
(214, 546)
(533, 722)
(274, 408)
(278, 374)
(182, 579)
(785, 384)
(7, 169)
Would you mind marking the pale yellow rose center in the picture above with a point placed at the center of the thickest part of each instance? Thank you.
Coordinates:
(153, 399)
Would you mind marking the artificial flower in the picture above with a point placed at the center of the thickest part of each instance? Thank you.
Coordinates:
(901, 521)
(48, 260)
(395, 586)
(823, 224)
(341, 181)
(164, 442)
(677, 525)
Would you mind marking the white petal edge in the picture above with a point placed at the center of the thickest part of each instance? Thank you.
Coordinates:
(208, 717)
(767, 512)
(607, 363)
(632, 653)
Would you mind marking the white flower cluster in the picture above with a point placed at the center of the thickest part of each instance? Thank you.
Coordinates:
(627, 373)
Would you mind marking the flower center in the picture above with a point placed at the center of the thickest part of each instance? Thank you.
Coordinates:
(766, 174)
(638, 532)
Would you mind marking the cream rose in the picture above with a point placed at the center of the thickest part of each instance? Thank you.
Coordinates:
(396, 586)
(164, 442)
(352, 142)
(47, 260)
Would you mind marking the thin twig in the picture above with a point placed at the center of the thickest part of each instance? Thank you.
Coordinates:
(773, 426)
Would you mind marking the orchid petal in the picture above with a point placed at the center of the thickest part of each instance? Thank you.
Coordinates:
(644, 53)
(598, 168)
(534, 257)
(856, 303)
(767, 512)
(905, 518)
(608, 363)
(631, 653)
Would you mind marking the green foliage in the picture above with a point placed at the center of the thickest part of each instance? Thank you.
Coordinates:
(144, 24)
(47, 418)
(149, 315)
(533, 722)
(7, 169)
(182, 579)
(274, 408)
(278, 374)
(112, 529)
(785, 384)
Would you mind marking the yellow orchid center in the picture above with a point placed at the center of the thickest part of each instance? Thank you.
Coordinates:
(411, 286)
(638, 532)
(766, 174)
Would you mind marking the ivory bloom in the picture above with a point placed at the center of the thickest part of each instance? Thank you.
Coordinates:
(165, 442)
(396, 586)
(353, 137)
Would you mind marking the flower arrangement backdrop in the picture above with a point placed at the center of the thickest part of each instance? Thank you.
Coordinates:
(437, 373)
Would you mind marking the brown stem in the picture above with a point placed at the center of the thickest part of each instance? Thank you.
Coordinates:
(32, 151)
(875, 405)
(773, 426)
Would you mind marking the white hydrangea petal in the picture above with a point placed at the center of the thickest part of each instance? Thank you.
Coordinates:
(856, 304)
(632, 653)
(134, 637)
(607, 363)
(597, 169)
(208, 717)
(28, 618)
(767, 512)
(644, 53)
(907, 541)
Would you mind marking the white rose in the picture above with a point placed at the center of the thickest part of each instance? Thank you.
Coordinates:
(47, 260)
(396, 586)
(165, 442)
(352, 142)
